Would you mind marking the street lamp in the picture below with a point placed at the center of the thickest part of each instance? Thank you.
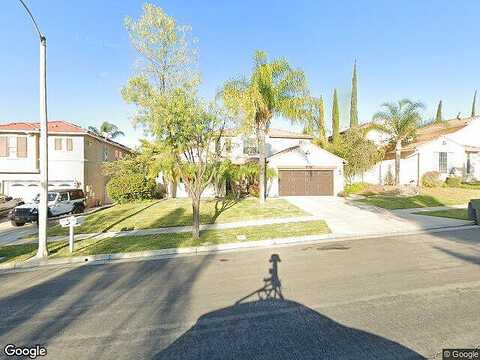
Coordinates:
(43, 205)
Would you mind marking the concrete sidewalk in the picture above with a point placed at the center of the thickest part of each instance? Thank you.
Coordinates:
(345, 217)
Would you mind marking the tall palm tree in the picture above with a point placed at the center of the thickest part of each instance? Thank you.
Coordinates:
(273, 89)
(108, 130)
(400, 121)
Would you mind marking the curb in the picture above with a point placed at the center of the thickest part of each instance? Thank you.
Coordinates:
(208, 249)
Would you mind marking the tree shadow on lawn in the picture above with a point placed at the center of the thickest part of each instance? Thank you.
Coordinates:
(271, 327)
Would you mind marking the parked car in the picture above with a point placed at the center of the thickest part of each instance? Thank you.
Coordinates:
(59, 203)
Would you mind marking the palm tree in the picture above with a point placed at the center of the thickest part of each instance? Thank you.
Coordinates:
(273, 89)
(107, 129)
(399, 121)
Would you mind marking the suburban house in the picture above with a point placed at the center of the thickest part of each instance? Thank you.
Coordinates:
(451, 147)
(303, 168)
(75, 157)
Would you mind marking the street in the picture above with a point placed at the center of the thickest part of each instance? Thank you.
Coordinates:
(384, 298)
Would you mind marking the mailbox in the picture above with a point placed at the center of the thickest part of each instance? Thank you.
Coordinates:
(71, 222)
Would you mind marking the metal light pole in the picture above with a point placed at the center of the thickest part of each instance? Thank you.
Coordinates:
(43, 205)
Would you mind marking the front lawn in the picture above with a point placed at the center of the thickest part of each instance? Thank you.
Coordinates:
(164, 241)
(460, 214)
(429, 197)
(178, 212)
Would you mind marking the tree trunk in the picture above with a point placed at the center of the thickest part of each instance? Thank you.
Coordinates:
(398, 152)
(262, 167)
(196, 217)
(173, 189)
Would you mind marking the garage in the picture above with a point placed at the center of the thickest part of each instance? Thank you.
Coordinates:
(305, 182)
(28, 190)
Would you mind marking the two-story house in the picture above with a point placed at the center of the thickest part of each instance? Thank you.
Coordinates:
(302, 168)
(75, 157)
(451, 147)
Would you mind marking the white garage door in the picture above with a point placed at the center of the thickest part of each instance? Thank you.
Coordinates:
(23, 190)
(27, 190)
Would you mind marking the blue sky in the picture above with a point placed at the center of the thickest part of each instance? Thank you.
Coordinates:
(424, 50)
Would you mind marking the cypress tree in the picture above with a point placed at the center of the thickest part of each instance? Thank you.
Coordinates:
(353, 100)
(321, 123)
(438, 117)
(473, 104)
(335, 118)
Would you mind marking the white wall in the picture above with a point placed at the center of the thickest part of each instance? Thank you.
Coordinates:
(14, 164)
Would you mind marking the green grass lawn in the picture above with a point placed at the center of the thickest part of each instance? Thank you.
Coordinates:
(461, 214)
(429, 197)
(178, 212)
(165, 241)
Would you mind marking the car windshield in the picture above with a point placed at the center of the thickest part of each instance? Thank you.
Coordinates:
(51, 197)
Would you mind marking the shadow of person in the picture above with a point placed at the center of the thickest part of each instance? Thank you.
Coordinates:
(271, 327)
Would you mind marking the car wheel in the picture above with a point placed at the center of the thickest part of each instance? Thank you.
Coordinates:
(17, 223)
(78, 209)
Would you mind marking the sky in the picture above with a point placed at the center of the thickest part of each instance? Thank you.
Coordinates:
(423, 50)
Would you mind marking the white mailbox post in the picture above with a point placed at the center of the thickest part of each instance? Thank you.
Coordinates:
(71, 222)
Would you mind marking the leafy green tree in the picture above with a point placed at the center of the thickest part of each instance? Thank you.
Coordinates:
(353, 99)
(107, 130)
(273, 89)
(438, 116)
(335, 118)
(168, 52)
(400, 121)
(360, 153)
(315, 121)
(473, 104)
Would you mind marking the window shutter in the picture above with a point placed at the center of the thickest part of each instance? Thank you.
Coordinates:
(4, 146)
(69, 145)
(21, 147)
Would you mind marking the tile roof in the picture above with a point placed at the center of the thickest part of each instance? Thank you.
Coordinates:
(55, 126)
(59, 126)
(431, 132)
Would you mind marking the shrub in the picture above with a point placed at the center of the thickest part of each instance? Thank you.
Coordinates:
(356, 188)
(130, 187)
(389, 179)
(431, 179)
(454, 181)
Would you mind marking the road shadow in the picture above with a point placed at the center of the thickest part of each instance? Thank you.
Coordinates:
(272, 327)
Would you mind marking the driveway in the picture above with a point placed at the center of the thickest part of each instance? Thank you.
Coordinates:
(10, 234)
(345, 217)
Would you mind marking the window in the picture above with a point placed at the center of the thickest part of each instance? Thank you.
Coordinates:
(442, 162)
(105, 155)
(76, 194)
(21, 147)
(228, 145)
(4, 151)
(64, 197)
(58, 144)
(250, 146)
(69, 144)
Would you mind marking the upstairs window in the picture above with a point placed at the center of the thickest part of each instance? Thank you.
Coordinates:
(58, 144)
(443, 162)
(228, 145)
(69, 144)
(250, 146)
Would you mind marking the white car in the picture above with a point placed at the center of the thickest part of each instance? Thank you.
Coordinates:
(59, 203)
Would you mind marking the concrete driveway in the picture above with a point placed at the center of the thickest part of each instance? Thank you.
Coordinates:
(345, 217)
(10, 234)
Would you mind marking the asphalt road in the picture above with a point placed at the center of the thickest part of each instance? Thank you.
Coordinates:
(388, 298)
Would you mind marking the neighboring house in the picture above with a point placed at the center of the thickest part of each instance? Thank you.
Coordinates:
(451, 148)
(75, 158)
(302, 168)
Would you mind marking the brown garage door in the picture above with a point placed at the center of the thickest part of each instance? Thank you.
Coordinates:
(305, 182)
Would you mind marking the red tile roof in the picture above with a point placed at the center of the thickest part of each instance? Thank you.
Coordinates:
(56, 126)
(53, 126)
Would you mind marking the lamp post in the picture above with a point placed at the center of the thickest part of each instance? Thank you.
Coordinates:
(43, 205)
